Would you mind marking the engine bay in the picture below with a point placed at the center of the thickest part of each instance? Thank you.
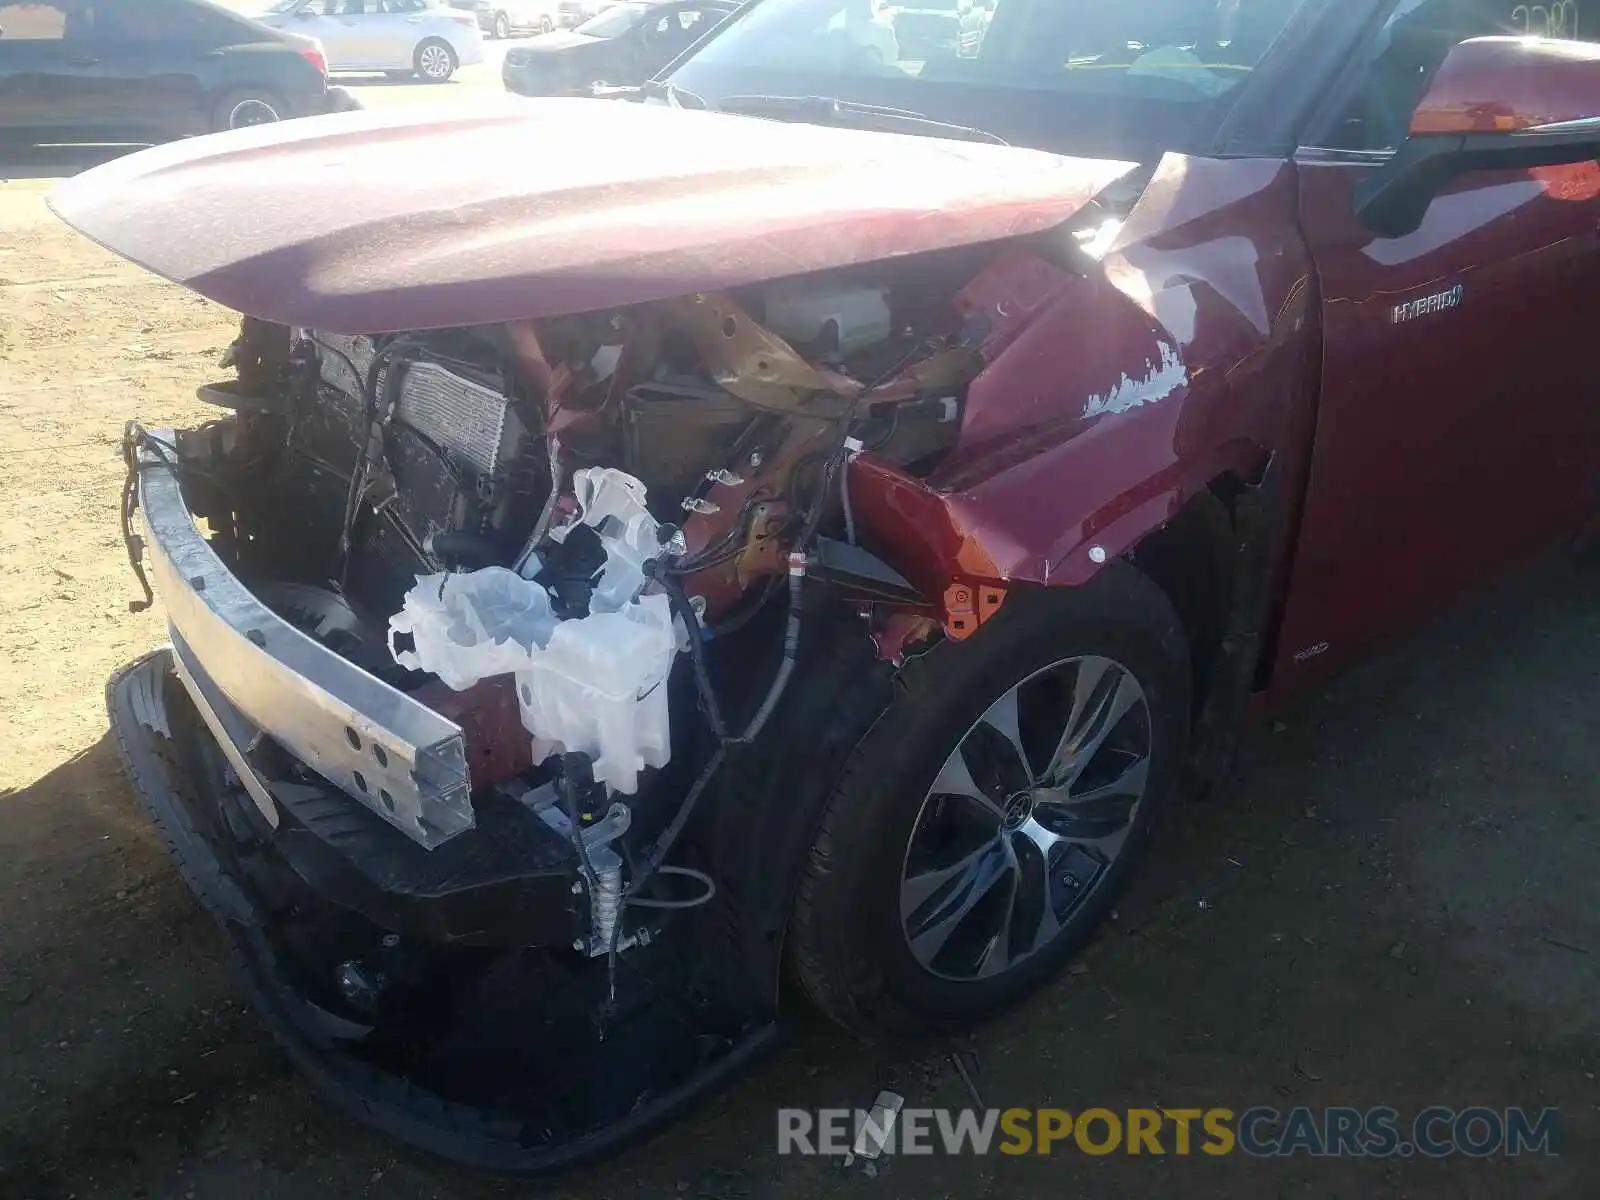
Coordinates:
(590, 541)
(506, 483)
(374, 459)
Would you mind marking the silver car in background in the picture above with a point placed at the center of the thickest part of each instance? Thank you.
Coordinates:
(398, 37)
(504, 18)
(571, 13)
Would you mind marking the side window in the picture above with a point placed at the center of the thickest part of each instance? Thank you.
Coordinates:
(663, 31)
(356, 8)
(165, 21)
(403, 6)
(37, 23)
(1413, 42)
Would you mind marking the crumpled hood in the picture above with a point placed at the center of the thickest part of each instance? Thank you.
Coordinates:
(420, 218)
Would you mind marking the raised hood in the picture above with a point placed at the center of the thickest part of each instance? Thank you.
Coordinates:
(372, 222)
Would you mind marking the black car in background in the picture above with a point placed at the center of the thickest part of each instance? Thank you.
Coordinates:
(146, 70)
(625, 44)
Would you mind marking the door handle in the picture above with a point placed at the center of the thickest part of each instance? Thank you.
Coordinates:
(413, 20)
(83, 62)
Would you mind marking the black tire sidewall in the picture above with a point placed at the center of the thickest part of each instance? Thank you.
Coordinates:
(874, 812)
(502, 26)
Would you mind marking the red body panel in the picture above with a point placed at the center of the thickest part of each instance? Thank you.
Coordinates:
(412, 219)
(1110, 399)
(1238, 315)
(1451, 438)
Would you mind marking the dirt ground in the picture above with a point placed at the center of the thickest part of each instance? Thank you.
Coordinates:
(1396, 901)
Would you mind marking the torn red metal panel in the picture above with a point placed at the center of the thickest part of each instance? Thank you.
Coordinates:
(1109, 398)
(497, 746)
(546, 207)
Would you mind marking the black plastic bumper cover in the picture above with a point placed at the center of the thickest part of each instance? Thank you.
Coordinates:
(141, 701)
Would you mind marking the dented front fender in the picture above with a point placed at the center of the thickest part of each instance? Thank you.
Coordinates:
(1112, 395)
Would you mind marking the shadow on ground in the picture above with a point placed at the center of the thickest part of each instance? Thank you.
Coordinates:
(55, 162)
(1396, 903)
(396, 81)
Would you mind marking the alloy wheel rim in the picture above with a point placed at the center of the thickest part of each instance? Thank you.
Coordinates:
(435, 62)
(1025, 819)
(502, 27)
(251, 112)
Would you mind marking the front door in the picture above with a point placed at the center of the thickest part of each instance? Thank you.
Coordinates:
(1459, 419)
(392, 29)
(352, 32)
(157, 52)
(363, 29)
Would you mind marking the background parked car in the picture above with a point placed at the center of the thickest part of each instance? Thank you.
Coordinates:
(571, 13)
(399, 37)
(502, 18)
(627, 43)
(71, 70)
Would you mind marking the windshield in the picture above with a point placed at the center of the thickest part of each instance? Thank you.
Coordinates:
(1118, 78)
(614, 22)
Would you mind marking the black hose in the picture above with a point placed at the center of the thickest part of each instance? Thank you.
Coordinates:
(575, 768)
(798, 565)
(737, 622)
(671, 833)
(697, 650)
(132, 438)
(135, 438)
(791, 651)
(363, 467)
(691, 902)
(656, 861)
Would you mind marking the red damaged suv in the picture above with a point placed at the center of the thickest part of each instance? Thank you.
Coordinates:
(807, 519)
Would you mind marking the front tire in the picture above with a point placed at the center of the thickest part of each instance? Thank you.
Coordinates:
(245, 107)
(435, 61)
(502, 27)
(984, 828)
(546, 25)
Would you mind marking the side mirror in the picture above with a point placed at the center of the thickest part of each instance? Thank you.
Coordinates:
(1496, 103)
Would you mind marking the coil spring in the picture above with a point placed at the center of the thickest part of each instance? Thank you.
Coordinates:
(605, 905)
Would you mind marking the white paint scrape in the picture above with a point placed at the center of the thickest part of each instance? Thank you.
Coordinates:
(1164, 378)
